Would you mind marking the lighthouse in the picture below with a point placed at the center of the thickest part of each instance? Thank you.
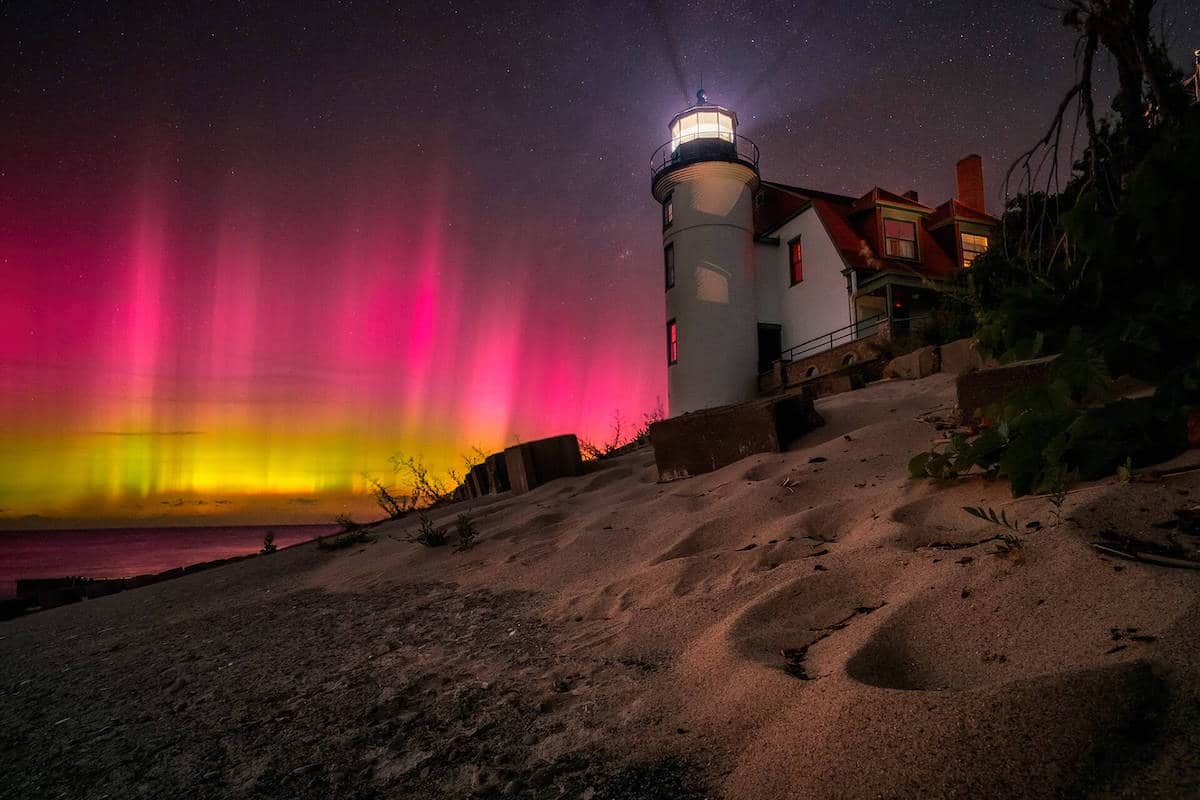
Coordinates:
(705, 178)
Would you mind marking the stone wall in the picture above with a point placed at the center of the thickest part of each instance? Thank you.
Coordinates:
(531, 464)
(703, 441)
(788, 374)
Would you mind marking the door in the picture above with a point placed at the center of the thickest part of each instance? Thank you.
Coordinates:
(770, 345)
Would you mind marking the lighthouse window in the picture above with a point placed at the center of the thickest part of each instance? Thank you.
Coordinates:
(669, 264)
(668, 210)
(706, 124)
(900, 238)
(795, 261)
(672, 343)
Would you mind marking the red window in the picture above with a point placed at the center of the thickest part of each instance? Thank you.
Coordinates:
(672, 343)
(796, 260)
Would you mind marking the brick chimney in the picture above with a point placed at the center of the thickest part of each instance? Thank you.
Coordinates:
(968, 174)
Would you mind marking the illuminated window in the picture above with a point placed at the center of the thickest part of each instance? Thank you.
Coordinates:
(795, 261)
(669, 264)
(900, 238)
(668, 210)
(672, 343)
(702, 124)
(972, 246)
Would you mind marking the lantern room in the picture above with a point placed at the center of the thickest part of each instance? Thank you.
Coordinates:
(703, 132)
(703, 121)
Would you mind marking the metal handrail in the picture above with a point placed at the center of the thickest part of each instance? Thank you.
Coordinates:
(828, 341)
(847, 333)
(742, 150)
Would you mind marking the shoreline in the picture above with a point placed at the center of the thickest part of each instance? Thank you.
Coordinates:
(33, 595)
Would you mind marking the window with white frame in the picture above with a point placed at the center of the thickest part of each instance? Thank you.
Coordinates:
(900, 238)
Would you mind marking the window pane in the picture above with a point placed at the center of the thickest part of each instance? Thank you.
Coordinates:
(725, 123)
(687, 128)
(974, 243)
(899, 229)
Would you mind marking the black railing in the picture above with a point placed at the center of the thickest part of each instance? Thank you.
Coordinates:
(828, 341)
(695, 148)
(899, 326)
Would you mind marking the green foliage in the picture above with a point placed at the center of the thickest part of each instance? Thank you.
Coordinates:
(989, 515)
(1103, 273)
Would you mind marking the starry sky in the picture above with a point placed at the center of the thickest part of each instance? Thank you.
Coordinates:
(250, 250)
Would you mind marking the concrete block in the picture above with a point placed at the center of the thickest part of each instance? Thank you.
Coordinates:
(703, 441)
(531, 464)
(961, 356)
(497, 469)
(919, 363)
(980, 389)
(479, 481)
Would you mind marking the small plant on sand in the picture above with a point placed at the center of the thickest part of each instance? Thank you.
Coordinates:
(989, 515)
(394, 507)
(428, 534)
(619, 440)
(1007, 544)
(347, 538)
(1125, 470)
(268, 543)
(464, 526)
(1059, 483)
(427, 488)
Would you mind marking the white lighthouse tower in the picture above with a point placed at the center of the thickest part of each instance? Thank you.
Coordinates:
(705, 179)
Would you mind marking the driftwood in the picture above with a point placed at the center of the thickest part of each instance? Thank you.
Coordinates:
(1148, 558)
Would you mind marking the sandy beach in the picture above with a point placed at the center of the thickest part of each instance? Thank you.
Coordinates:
(812, 624)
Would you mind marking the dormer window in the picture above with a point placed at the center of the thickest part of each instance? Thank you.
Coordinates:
(972, 245)
(668, 210)
(900, 239)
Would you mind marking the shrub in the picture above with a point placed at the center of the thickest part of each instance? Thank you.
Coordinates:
(347, 538)
(465, 528)
(1095, 270)
(427, 533)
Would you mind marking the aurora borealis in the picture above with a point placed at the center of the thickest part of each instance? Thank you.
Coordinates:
(249, 253)
(169, 361)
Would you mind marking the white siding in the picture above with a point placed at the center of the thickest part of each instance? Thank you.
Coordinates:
(817, 305)
(766, 283)
(713, 300)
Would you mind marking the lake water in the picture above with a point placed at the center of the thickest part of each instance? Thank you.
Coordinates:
(125, 552)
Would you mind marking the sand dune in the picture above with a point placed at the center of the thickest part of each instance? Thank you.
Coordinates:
(802, 625)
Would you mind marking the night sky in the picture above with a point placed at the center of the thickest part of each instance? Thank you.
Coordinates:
(250, 250)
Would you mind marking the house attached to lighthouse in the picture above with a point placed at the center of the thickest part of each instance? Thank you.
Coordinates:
(756, 270)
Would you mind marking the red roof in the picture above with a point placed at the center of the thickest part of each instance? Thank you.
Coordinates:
(877, 196)
(854, 225)
(952, 209)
